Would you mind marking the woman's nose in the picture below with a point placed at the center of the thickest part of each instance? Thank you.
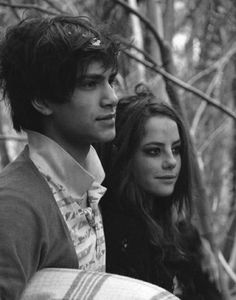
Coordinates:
(169, 162)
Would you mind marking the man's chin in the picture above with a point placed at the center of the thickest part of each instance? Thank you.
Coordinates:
(107, 137)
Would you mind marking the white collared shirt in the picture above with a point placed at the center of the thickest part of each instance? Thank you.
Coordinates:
(74, 188)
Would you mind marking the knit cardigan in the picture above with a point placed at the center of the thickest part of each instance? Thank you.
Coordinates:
(33, 234)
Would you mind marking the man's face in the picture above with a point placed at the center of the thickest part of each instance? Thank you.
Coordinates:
(90, 114)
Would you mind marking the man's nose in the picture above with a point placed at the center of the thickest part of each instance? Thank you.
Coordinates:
(109, 96)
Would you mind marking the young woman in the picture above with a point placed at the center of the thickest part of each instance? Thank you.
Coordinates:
(147, 208)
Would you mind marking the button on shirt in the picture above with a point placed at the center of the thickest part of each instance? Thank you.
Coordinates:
(77, 192)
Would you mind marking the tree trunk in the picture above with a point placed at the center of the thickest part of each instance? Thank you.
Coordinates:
(229, 246)
(138, 35)
(169, 20)
(4, 158)
(154, 15)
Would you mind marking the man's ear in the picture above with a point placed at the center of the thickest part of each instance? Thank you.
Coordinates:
(42, 106)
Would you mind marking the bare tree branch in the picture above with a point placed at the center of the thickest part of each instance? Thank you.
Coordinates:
(219, 64)
(203, 105)
(166, 74)
(146, 55)
(15, 13)
(226, 267)
(70, 7)
(144, 20)
(53, 5)
(28, 6)
(185, 86)
(188, 15)
(212, 136)
(4, 137)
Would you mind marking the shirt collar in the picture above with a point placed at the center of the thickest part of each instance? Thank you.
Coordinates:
(54, 161)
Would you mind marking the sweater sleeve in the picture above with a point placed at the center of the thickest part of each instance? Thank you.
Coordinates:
(20, 243)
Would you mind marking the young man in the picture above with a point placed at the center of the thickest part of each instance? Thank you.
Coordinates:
(57, 75)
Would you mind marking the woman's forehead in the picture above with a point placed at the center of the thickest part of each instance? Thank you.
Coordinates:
(160, 128)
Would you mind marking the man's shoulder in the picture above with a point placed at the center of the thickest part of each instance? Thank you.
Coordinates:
(18, 170)
(21, 179)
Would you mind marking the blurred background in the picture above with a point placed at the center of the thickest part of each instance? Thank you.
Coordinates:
(185, 51)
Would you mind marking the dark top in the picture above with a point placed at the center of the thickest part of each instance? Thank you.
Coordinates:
(129, 253)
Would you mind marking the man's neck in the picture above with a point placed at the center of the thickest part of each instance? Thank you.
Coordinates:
(79, 152)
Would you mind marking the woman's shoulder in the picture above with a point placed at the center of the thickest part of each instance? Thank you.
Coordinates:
(118, 220)
(126, 243)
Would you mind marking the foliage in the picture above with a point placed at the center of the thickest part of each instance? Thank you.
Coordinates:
(201, 36)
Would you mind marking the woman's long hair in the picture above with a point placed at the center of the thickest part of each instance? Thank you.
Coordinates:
(160, 216)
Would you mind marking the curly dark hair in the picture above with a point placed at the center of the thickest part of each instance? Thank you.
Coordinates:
(40, 58)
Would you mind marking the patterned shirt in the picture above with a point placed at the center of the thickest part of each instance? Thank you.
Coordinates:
(77, 191)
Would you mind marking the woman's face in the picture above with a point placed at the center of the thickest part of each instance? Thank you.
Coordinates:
(157, 161)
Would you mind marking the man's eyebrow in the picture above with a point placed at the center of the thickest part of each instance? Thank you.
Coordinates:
(95, 76)
(91, 76)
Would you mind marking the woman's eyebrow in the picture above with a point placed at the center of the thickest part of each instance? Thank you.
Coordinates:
(178, 142)
(155, 143)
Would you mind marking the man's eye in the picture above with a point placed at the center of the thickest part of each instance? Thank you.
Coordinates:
(112, 81)
(88, 84)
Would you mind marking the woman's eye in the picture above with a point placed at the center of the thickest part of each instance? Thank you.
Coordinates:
(176, 150)
(153, 152)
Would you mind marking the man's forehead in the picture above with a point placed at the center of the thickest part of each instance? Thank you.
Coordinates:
(96, 69)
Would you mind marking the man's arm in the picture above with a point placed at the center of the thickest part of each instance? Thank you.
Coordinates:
(19, 244)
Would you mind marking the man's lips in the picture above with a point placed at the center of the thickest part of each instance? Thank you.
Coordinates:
(106, 117)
